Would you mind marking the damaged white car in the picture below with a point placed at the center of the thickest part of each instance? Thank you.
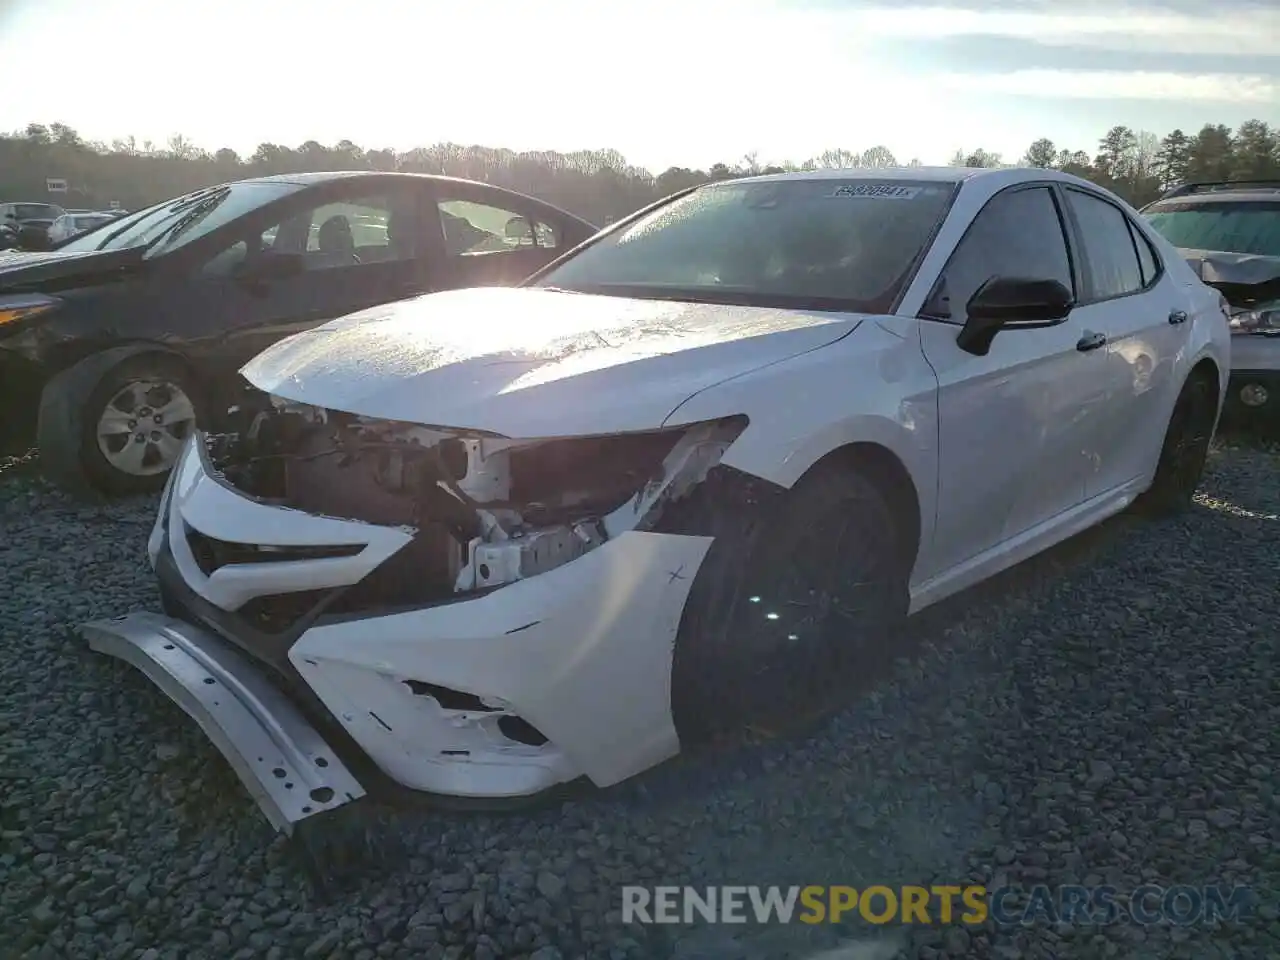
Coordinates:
(483, 543)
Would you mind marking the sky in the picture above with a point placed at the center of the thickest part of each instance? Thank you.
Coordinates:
(665, 82)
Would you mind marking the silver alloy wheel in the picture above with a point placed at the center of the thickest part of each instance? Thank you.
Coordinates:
(142, 429)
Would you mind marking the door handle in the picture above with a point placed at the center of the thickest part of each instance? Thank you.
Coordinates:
(1091, 341)
(1177, 316)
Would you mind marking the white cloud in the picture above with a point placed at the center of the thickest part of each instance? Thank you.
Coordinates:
(1249, 31)
(1111, 85)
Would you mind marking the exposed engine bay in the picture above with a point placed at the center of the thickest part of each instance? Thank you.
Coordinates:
(484, 510)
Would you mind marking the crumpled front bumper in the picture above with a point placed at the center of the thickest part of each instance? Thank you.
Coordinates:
(581, 653)
(286, 765)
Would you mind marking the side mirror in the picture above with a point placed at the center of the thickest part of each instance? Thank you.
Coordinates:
(1013, 303)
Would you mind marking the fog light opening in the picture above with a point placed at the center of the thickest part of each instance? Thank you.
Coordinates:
(1254, 395)
(521, 731)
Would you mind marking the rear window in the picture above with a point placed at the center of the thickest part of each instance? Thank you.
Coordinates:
(35, 211)
(1231, 226)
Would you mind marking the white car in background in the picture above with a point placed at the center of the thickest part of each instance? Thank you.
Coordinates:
(485, 542)
(73, 224)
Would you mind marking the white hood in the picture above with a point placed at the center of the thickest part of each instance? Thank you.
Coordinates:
(533, 363)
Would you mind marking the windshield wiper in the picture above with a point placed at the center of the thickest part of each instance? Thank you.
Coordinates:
(132, 224)
(194, 211)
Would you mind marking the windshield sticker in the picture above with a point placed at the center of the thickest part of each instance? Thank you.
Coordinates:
(880, 191)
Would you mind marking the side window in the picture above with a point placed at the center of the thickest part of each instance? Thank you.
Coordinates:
(1147, 261)
(366, 229)
(330, 235)
(1108, 251)
(473, 228)
(1017, 234)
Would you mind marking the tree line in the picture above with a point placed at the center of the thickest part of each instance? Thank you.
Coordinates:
(599, 185)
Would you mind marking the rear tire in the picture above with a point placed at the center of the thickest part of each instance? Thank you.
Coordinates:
(1185, 449)
(784, 617)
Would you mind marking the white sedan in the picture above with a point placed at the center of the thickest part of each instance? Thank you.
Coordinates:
(486, 542)
(75, 223)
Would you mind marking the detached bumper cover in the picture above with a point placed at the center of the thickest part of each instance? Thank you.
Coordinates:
(284, 763)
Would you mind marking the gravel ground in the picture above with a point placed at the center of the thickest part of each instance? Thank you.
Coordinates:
(1107, 713)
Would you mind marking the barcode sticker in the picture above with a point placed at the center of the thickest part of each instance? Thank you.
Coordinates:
(885, 191)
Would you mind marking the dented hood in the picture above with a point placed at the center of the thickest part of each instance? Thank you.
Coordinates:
(533, 363)
(1242, 277)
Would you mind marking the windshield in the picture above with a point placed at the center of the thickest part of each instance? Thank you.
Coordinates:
(86, 223)
(816, 243)
(1230, 226)
(37, 211)
(196, 213)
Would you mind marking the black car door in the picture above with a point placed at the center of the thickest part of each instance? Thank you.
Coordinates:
(326, 252)
(494, 237)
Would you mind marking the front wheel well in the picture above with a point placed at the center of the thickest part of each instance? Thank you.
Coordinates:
(1208, 369)
(78, 351)
(883, 468)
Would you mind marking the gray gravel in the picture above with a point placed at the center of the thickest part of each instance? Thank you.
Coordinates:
(1107, 713)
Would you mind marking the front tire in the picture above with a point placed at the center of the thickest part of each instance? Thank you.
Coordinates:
(1185, 450)
(117, 433)
(789, 609)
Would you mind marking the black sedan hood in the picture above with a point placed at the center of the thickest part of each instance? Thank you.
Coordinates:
(1243, 278)
(30, 270)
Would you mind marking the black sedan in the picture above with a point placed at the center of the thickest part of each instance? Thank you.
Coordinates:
(125, 337)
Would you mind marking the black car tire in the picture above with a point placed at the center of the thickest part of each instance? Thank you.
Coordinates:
(75, 399)
(787, 613)
(1184, 452)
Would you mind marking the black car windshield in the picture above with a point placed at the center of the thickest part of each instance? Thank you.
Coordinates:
(197, 213)
(1231, 226)
(818, 243)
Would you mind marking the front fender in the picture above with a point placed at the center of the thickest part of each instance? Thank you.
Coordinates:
(873, 386)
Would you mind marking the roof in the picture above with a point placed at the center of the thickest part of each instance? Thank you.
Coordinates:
(997, 176)
(322, 176)
(940, 174)
(1217, 196)
(319, 176)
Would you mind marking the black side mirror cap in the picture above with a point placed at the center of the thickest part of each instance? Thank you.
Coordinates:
(1014, 303)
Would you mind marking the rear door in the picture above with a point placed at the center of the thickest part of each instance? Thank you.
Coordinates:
(491, 237)
(359, 243)
(1128, 296)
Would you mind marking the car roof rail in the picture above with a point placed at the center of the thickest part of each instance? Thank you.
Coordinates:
(1215, 186)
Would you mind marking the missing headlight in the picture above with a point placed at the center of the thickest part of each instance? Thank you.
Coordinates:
(500, 510)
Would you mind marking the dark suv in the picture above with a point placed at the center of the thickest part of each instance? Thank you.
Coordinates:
(1230, 232)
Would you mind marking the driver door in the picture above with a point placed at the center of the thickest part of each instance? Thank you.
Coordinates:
(1017, 426)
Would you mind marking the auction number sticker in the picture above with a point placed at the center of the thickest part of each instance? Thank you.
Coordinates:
(885, 191)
